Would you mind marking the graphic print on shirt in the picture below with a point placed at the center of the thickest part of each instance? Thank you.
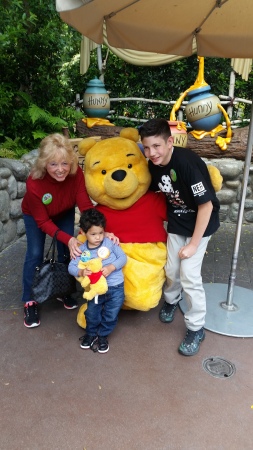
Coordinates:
(198, 189)
(172, 196)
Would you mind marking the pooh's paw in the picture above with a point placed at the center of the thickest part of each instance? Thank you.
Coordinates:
(89, 295)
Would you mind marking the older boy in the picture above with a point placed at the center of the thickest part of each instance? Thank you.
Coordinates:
(193, 216)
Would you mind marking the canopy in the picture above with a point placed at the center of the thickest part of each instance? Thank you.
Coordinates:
(221, 28)
(153, 32)
(242, 66)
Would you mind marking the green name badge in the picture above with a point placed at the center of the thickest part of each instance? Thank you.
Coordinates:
(47, 199)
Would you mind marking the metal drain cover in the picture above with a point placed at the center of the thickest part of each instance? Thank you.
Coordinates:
(218, 367)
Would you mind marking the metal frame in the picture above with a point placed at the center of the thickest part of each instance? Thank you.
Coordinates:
(223, 316)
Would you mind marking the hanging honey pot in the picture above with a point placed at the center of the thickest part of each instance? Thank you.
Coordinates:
(96, 100)
(202, 110)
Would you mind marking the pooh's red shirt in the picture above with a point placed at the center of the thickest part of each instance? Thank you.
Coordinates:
(142, 222)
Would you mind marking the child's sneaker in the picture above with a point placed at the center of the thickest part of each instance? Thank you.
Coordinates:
(68, 302)
(103, 345)
(191, 343)
(31, 315)
(87, 341)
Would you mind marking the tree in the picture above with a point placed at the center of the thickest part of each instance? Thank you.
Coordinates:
(35, 44)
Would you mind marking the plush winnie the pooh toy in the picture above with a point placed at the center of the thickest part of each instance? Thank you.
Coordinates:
(117, 179)
(96, 281)
(94, 284)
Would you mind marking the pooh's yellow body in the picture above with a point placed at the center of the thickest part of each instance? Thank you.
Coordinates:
(117, 179)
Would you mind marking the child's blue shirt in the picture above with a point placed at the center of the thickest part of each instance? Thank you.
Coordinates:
(116, 257)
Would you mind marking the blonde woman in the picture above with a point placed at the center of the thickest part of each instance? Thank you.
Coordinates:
(55, 186)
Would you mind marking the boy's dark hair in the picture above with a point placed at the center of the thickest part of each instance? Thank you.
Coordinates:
(91, 217)
(155, 127)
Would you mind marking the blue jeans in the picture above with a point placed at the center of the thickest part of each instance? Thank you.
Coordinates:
(35, 247)
(101, 318)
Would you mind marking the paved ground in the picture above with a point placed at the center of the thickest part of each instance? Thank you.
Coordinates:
(141, 395)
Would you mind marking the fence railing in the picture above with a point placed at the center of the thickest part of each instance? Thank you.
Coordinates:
(225, 101)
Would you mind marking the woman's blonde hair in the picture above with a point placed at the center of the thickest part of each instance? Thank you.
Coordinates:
(54, 146)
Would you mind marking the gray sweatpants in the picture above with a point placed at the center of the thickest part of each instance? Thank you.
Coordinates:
(185, 275)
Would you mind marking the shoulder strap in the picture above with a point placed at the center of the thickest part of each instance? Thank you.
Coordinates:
(52, 247)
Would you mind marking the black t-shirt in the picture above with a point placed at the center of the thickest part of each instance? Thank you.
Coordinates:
(186, 184)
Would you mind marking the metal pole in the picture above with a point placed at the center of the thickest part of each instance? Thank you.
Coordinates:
(100, 63)
(228, 304)
(231, 92)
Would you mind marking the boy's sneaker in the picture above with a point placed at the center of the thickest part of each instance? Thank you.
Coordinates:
(87, 341)
(191, 343)
(68, 302)
(103, 345)
(31, 315)
(167, 312)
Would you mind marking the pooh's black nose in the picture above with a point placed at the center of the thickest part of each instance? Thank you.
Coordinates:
(119, 175)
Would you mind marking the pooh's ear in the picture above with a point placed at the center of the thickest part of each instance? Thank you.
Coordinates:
(85, 145)
(130, 133)
(216, 177)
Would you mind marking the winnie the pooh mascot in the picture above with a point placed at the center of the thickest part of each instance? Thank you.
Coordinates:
(117, 179)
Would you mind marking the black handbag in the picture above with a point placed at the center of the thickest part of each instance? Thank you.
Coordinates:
(51, 278)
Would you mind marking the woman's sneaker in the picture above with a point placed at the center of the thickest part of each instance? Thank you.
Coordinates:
(87, 341)
(68, 302)
(31, 315)
(103, 345)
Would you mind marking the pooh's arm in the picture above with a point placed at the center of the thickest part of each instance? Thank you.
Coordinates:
(215, 176)
(83, 280)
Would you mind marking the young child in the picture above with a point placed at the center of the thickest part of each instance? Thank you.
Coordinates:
(193, 216)
(102, 313)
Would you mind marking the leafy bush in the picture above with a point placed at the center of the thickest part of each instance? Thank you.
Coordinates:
(34, 99)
